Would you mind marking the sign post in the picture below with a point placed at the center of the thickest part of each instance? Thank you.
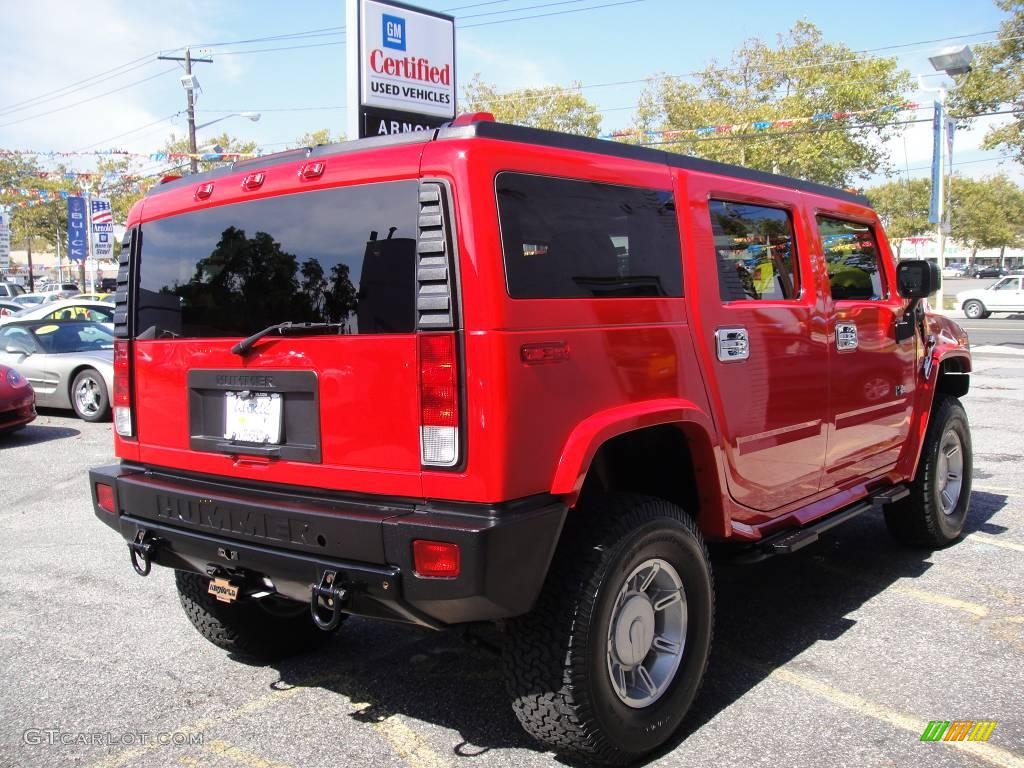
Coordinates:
(5, 243)
(401, 71)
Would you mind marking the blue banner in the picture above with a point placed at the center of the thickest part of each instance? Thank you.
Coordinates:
(933, 208)
(78, 229)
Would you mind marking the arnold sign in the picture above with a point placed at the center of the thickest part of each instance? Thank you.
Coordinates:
(402, 72)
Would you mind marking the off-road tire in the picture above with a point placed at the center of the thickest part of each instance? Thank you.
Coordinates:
(555, 657)
(975, 310)
(919, 520)
(245, 627)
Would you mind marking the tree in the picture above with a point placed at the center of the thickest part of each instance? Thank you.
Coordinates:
(997, 82)
(552, 107)
(903, 208)
(799, 79)
(314, 138)
(224, 144)
(987, 213)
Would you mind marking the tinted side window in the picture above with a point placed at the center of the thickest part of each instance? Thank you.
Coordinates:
(576, 239)
(755, 252)
(851, 254)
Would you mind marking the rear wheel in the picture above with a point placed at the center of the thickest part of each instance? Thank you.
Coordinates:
(254, 628)
(974, 309)
(936, 510)
(612, 656)
(89, 396)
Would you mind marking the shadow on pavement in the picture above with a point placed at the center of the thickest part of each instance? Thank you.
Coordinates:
(35, 433)
(768, 613)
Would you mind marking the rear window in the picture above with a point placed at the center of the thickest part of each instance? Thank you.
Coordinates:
(563, 238)
(345, 255)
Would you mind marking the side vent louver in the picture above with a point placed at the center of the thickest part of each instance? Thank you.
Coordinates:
(435, 307)
(121, 294)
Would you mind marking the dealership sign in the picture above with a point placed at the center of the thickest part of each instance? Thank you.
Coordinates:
(402, 72)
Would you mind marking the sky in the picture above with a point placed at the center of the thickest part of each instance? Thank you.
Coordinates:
(52, 51)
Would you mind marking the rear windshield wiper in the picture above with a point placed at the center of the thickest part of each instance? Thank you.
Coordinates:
(284, 329)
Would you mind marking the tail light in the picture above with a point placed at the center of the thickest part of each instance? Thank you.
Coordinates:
(439, 400)
(123, 388)
(435, 559)
(105, 498)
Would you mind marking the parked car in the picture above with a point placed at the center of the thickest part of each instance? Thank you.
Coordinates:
(70, 364)
(108, 284)
(507, 409)
(17, 400)
(67, 309)
(8, 308)
(9, 290)
(990, 270)
(1005, 295)
(26, 300)
(93, 297)
(53, 291)
(954, 270)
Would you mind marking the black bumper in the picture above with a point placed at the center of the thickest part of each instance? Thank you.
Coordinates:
(291, 538)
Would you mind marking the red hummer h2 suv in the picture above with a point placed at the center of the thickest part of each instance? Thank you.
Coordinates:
(487, 373)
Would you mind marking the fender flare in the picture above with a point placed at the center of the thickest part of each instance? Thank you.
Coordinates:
(590, 434)
(942, 353)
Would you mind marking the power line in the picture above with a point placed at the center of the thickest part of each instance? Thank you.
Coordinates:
(545, 15)
(127, 133)
(522, 8)
(91, 98)
(79, 85)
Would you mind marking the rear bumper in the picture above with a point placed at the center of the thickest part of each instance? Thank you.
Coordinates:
(291, 538)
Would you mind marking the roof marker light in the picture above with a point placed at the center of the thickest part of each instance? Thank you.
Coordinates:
(313, 170)
(254, 180)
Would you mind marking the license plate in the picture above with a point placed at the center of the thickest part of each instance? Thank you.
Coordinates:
(252, 418)
(223, 590)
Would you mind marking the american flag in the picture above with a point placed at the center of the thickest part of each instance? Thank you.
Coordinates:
(101, 213)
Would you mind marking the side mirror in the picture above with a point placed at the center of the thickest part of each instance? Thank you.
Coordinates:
(917, 278)
(17, 348)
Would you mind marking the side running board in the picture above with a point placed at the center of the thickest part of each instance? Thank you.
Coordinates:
(790, 541)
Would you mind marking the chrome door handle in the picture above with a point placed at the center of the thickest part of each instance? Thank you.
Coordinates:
(732, 344)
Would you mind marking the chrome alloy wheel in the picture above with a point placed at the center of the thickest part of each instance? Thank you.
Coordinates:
(88, 396)
(950, 471)
(647, 633)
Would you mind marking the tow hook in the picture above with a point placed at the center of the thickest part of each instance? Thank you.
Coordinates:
(329, 596)
(143, 545)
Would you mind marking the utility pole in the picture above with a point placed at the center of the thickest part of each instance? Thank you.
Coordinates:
(189, 61)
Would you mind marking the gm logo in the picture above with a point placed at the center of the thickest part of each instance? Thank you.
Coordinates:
(394, 32)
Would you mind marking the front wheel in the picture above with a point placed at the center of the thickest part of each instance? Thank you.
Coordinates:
(975, 309)
(89, 396)
(935, 512)
(606, 666)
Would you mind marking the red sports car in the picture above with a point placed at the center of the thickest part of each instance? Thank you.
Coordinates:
(17, 400)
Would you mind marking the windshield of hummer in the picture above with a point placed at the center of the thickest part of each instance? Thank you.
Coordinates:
(345, 255)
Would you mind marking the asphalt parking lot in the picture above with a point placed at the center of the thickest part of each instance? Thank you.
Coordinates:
(836, 656)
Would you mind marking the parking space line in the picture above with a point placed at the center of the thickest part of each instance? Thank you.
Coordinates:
(131, 756)
(949, 602)
(409, 745)
(238, 755)
(997, 756)
(925, 595)
(995, 541)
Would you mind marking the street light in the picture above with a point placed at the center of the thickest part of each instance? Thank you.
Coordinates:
(254, 116)
(952, 61)
(192, 160)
